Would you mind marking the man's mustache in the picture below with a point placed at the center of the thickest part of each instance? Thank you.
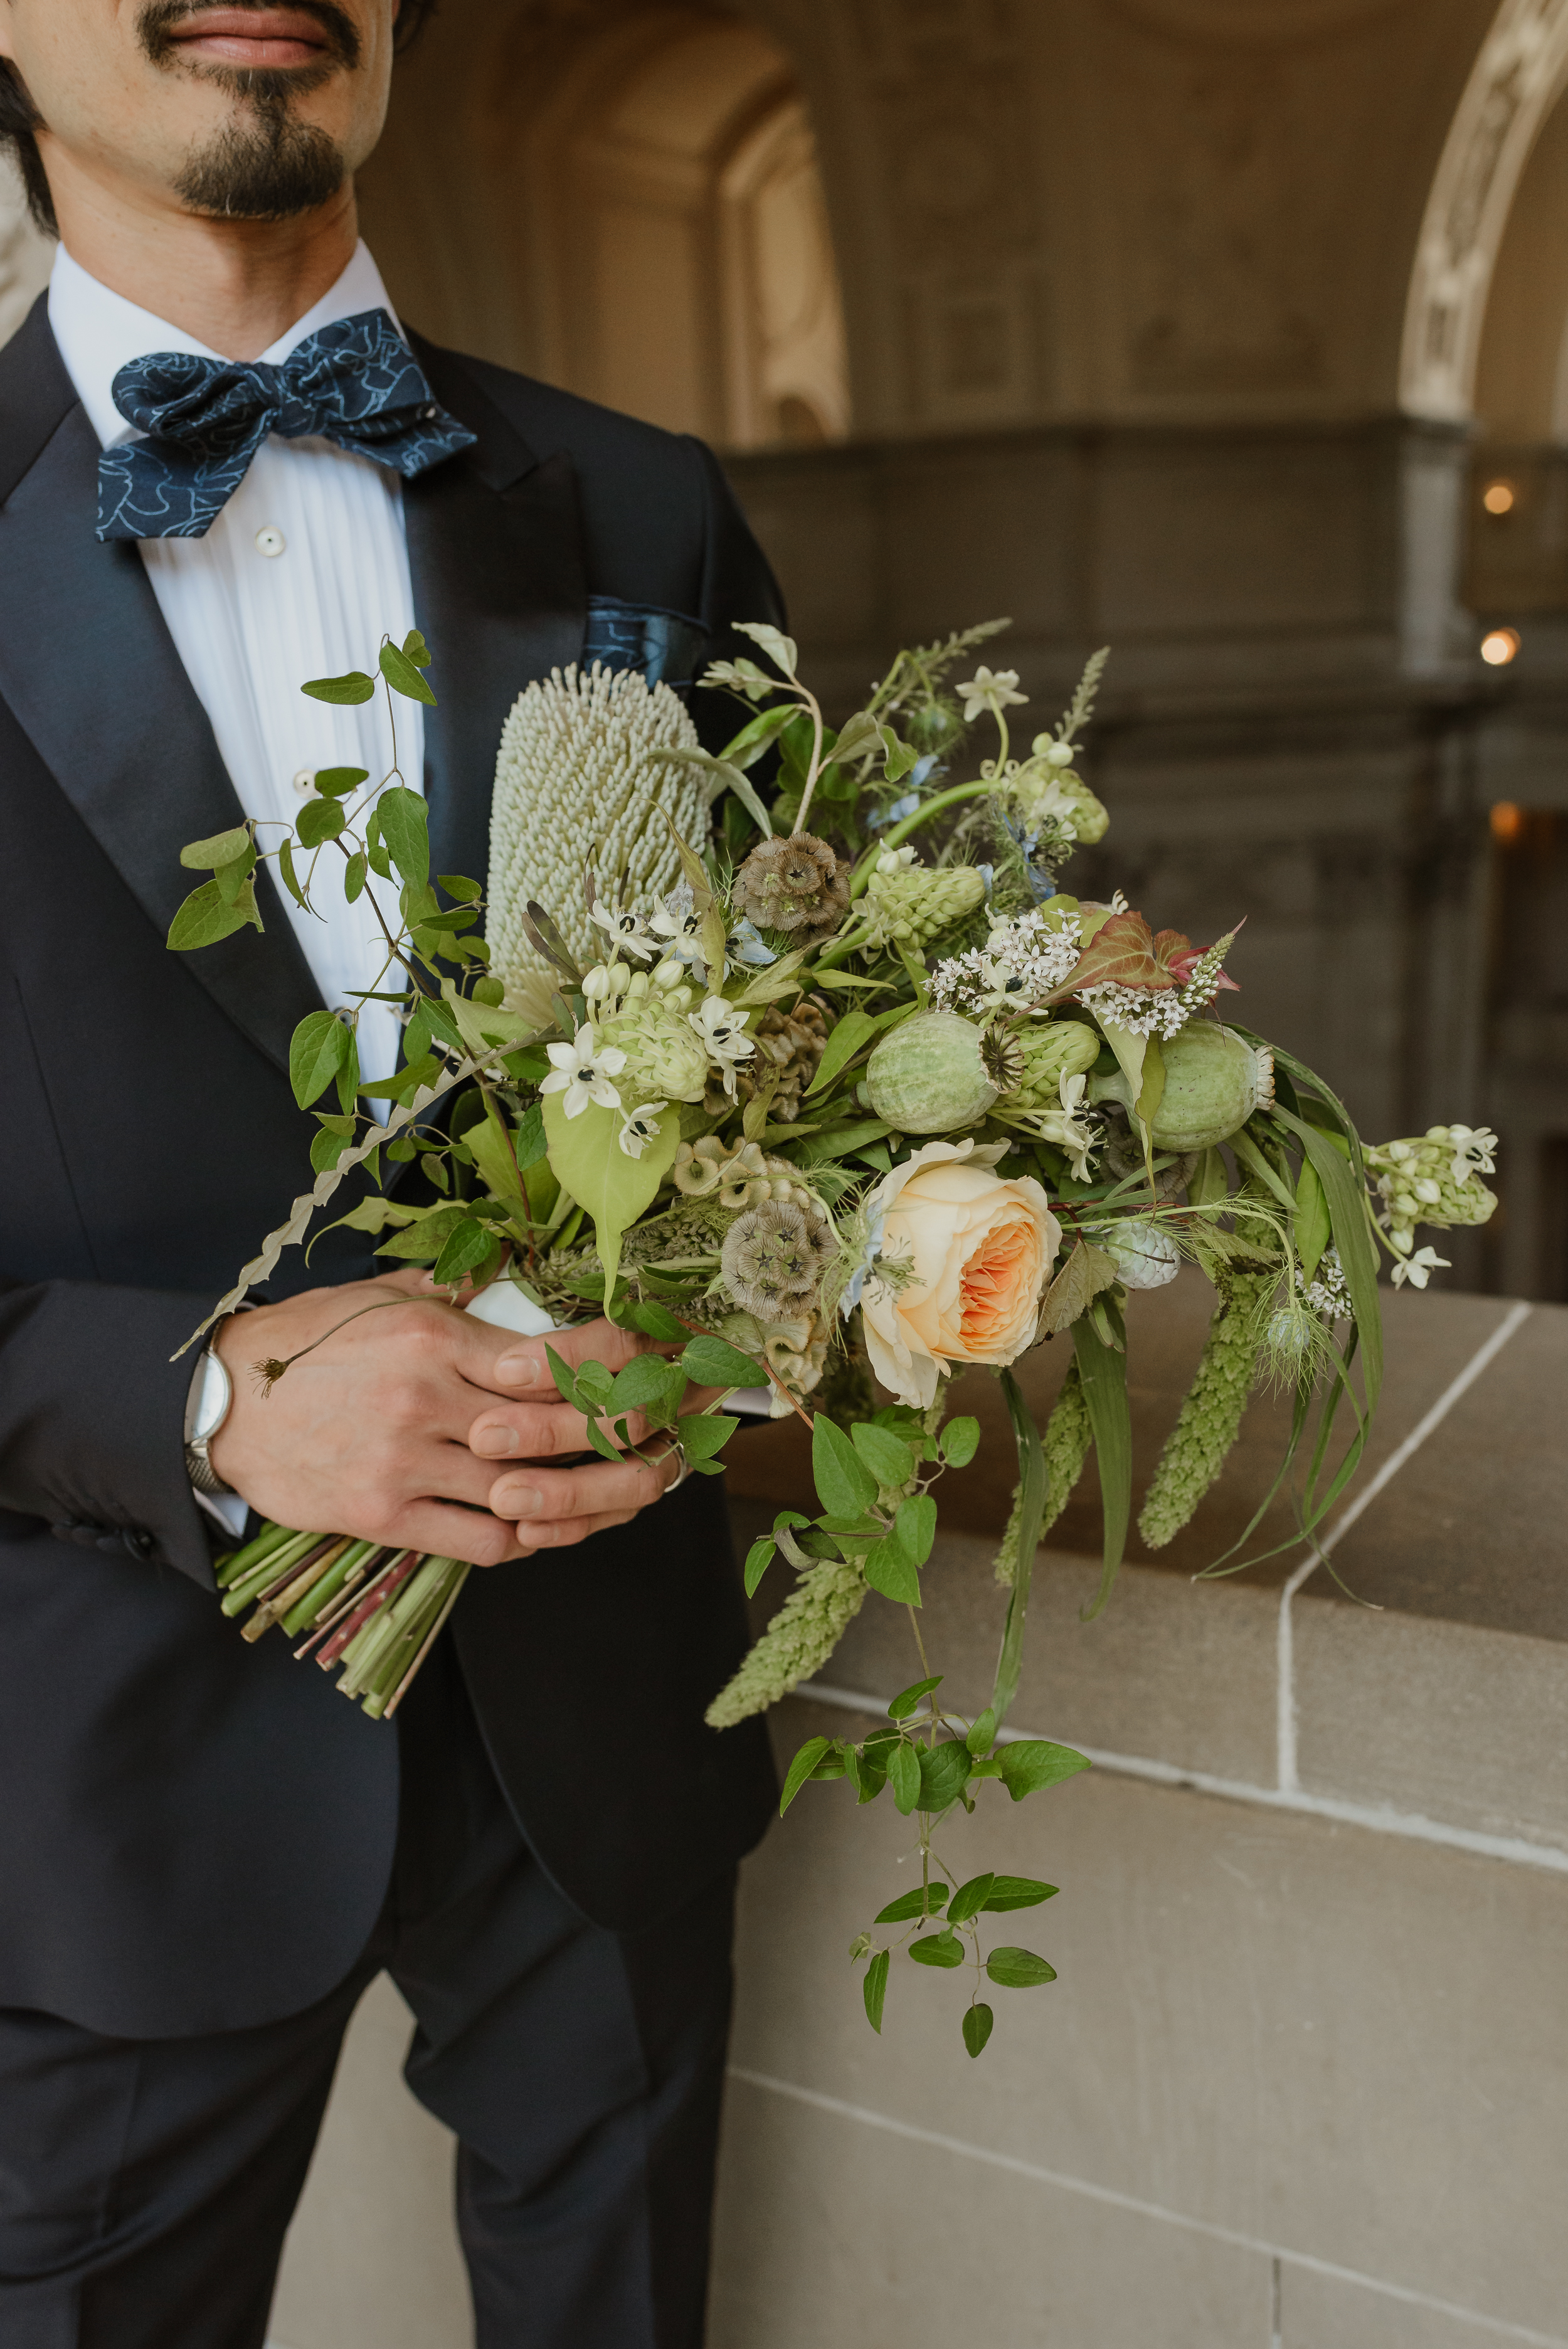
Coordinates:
(160, 19)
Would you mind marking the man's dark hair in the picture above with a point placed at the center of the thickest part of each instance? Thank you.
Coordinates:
(20, 118)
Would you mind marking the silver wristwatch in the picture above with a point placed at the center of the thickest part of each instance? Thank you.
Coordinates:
(206, 1409)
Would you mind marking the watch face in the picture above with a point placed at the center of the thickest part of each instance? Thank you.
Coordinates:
(212, 1395)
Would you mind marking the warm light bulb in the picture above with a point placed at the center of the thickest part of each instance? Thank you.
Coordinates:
(1505, 821)
(1498, 497)
(1499, 645)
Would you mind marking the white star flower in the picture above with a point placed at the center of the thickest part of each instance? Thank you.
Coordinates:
(1066, 1128)
(629, 930)
(583, 1071)
(1417, 1269)
(677, 919)
(992, 690)
(723, 1032)
(640, 1126)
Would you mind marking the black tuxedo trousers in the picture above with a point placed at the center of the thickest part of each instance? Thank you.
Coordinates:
(197, 1836)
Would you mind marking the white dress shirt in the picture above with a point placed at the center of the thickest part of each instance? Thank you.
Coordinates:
(301, 574)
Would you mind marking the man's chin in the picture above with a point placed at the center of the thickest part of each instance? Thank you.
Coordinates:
(268, 170)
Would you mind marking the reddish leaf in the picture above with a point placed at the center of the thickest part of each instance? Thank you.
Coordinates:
(1122, 954)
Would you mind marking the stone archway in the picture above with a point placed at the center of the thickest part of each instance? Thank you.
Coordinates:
(1520, 71)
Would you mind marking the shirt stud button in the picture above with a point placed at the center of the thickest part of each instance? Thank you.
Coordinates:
(269, 538)
(305, 782)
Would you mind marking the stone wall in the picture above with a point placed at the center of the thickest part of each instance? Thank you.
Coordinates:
(1302, 2081)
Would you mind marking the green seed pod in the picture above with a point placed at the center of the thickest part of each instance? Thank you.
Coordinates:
(917, 906)
(664, 1058)
(1214, 1080)
(928, 1077)
(1052, 1049)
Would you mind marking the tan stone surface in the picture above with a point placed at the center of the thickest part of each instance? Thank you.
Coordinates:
(1463, 1725)
(1322, 2312)
(1351, 2044)
(372, 2258)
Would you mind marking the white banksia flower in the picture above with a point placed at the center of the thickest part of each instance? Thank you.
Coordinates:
(577, 784)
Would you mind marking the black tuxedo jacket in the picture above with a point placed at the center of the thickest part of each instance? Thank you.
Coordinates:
(196, 1834)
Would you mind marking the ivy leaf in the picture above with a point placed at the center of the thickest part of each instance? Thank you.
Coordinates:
(415, 650)
(1018, 1892)
(403, 677)
(845, 1485)
(960, 1440)
(709, 1362)
(937, 1950)
(404, 827)
(982, 1736)
(876, 1988)
(704, 1433)
(1086, 1271)
(645, 1379)
(204, 918)
(232, 878)
(906, 1699)
(336, 782)
(759, 1558)
(643, 1314)
(222, 848)
(467, 1247)
(291, 879)
(1032, 1763)
(890, 1462)
(971, 1898)
(1014, 1969)
(944, 1774)
(353, 878)
(889, 1568)
(319, 820)
(904, 1777)
(459, 885)
(977, 2022)
(800, 1769)
(351, 687)
(915, 1525)
(423, 1241)
(925, 1901)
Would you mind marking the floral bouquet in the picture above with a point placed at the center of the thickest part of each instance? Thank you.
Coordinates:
(833, 1115)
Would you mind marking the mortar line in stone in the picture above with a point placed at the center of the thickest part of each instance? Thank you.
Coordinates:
(1285, 1717)
(1378, 1819)
(1497, 2325)
(1276, 2307)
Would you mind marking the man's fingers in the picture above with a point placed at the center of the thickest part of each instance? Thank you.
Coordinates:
(542, 1430)
(447, 1531)
(563, 1533)
(535, 1495)
(524, 1366)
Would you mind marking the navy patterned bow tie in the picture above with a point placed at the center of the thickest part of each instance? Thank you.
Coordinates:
(356, 382)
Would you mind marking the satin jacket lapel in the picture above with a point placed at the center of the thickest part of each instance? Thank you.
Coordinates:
(91, 672)
(495, 549)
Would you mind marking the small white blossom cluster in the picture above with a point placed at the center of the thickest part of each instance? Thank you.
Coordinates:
(1142, 1010)
(1327, 1293)
(1022, 962)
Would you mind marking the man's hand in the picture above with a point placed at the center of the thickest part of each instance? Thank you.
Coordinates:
(368, 1433)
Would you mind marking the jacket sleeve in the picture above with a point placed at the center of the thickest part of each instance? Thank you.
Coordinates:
(92, 1418)
(737, 584)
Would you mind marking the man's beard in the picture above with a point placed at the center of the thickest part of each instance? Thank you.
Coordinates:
(263, 165)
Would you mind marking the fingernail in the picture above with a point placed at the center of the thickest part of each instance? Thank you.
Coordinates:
(526, 1502)
(518, 1370)
(494, 1443)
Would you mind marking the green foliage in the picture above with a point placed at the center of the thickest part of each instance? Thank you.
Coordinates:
(355, 687)
(1028, 1764)
(978, 2022)
(404, 677)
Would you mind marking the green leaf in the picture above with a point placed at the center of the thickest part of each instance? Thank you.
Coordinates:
(286, 867)
(1013, 1969)
(709, 1362)
(1102, 1371)
(704, 1433)
(232, 878)
(406, 1082)
(916, 1526)
(326, 1150)
(1018, 1892)
(960, 1440)
(351, 687)
(354, 877)
(404, 827)
(904, 1777)
(937, 1950)
(1343, 1188)
(468, 1247)
(1032, 1763)
(459, 885)
(596, 1381)
(800, 1769)
(348, 1074)
(977, 2022)
(415, 650)
(425, 1240)
(222, 848)
(889, 1568)
(855, 1030)
(845, 1485)
(647, 1315)
(336, 782)
(906, 1699)
(971, 1898)
(645, 1379)
(319, 820)
(943, 1774)
(925, 1901)
(759, 1558)
(876, 1988)
(890, 1462)
(565, 1379)
(204, 918)
(403, 677)
(983, 1736)
(587, 1157)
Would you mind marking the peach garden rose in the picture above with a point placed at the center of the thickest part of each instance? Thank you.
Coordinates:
(981, 1249)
